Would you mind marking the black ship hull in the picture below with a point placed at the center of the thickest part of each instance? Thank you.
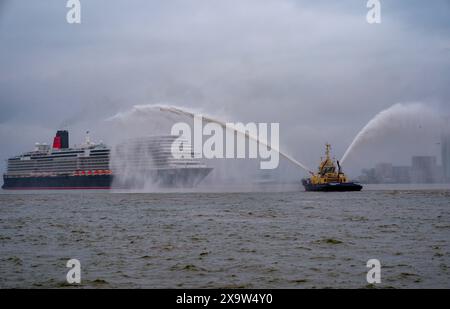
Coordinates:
(57, 182)
(332, 187)
(177, 177)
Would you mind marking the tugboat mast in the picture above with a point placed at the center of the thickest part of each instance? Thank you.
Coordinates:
(328, 151)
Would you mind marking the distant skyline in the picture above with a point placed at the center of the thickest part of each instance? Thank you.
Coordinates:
(316, 67)
(422, 169)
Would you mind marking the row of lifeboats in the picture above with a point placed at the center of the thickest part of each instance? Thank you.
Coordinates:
(90, 173)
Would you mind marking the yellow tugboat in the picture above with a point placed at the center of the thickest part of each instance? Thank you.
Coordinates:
(329, 178)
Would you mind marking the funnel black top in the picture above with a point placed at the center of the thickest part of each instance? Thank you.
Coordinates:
(64, 136)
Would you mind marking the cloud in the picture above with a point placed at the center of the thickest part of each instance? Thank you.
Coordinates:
(316, 67)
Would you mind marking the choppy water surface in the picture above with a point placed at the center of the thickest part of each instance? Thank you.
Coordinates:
(226, 240)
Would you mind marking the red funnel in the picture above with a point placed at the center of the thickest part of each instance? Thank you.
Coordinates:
(57, 142)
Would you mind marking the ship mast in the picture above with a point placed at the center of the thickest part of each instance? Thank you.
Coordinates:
(328, 151)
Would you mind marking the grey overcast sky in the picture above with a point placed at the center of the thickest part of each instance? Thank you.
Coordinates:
(317, 67)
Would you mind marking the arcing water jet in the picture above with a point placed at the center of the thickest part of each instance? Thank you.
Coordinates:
(245, 134)
(397, 117)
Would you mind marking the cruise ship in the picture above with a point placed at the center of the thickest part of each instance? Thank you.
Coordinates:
(132, 164)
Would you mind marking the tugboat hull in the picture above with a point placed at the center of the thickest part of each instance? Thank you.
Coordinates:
(332, 187)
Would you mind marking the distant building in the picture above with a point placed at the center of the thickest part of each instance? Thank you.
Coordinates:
(384, 173)
(401, 174)
(445, 152)
(368, 176)
(424, 169)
